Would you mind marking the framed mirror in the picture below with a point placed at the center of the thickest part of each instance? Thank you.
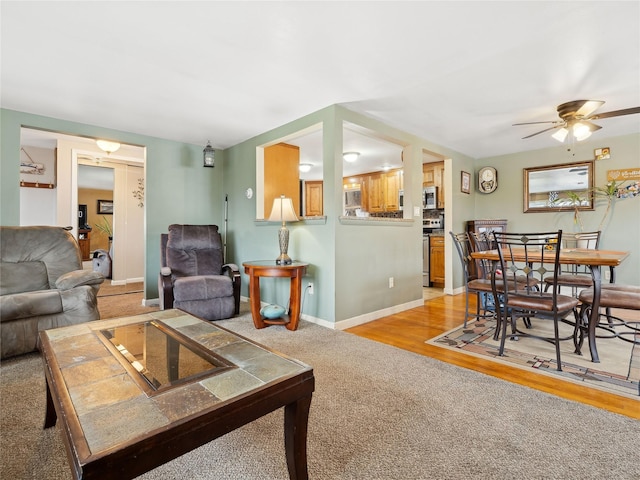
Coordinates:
(557, 188)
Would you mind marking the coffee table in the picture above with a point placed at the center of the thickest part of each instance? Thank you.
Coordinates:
(133, 393)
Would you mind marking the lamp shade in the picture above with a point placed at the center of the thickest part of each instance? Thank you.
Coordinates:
(283, 210)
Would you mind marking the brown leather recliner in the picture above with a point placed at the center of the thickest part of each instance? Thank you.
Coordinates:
(193, 276)
(42, 285)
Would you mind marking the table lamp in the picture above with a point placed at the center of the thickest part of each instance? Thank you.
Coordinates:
(283, 211)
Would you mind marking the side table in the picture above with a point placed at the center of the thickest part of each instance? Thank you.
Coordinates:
(268, 268)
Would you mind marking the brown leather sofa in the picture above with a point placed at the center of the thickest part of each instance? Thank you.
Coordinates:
(42, 286)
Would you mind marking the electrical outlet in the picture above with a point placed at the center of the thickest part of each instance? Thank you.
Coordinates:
(310, 287)
(607, 275)
(390, 282)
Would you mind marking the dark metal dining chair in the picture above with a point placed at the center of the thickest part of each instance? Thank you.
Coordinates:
(575, 276)
(532, 257)
(472, 284)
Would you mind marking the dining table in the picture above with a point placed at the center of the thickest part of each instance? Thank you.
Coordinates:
(595, 259)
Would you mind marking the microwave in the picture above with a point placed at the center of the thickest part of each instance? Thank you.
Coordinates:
(352, 199)
(429, 198)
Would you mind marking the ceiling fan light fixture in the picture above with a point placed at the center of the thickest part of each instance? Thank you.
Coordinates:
(581, 131)
(561, 134)
(107, 146)
(350, 156)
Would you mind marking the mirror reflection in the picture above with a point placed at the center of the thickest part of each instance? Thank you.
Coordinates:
(559, 187)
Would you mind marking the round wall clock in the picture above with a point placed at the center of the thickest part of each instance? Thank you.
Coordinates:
(487, 180)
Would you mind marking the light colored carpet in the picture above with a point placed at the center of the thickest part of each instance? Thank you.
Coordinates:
(378, 413)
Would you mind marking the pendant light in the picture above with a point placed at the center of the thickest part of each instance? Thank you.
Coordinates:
(208, 156)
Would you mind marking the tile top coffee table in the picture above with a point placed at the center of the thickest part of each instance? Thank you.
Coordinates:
(133, 393)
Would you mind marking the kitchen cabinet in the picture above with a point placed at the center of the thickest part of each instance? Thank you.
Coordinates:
(313, 198)
(392, 187)
(436, 260)
(382, 191)
(433, 176)
(375, 193)
(428, 175)
(281, 175)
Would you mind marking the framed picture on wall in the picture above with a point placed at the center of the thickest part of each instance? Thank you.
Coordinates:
(465, 182)
(37, 171)
(105, 207)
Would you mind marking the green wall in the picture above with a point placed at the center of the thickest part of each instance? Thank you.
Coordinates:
(178, 189)
(622, 231)
(349, 263)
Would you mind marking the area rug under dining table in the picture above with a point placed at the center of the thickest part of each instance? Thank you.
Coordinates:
(618, 371)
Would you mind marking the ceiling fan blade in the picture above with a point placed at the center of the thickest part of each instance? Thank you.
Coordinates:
(592, 126)
(536, 123)
(589, 107)
(541, 131)
(615, 113)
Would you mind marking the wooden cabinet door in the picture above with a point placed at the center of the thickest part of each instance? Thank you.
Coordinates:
(313, 198)
(436, 260)
(439, 174)
(281, 175)
(376, 193)
(391, 191)
(428, 175)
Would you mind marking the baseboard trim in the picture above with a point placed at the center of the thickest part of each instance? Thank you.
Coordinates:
(341, 325)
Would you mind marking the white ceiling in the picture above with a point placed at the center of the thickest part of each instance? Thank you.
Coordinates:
(456, 73)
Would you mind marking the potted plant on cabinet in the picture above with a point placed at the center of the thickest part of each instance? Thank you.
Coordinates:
(105, 227)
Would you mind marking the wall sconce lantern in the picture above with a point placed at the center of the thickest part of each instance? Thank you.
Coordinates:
(208, 156)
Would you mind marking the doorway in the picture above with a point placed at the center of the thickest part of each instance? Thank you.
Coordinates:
(127, 166)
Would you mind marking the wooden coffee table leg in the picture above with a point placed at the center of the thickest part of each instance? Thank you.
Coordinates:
(296, 420)
(50, 416)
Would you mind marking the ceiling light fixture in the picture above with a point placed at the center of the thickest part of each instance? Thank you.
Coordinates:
(108, 146)
(208, 156)
(350, 156)
(305, 167)
(578, 130)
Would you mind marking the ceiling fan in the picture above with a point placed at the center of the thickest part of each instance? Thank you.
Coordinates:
(576, 118)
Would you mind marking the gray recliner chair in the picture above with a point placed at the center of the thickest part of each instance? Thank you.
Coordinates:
(42, 285)
(193, 275)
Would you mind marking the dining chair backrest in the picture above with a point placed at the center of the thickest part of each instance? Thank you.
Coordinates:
(481, 241)
(528, 258)
(463, 247)
(590, 240)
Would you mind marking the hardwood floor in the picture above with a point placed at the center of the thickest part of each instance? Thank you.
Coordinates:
(409, 330)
